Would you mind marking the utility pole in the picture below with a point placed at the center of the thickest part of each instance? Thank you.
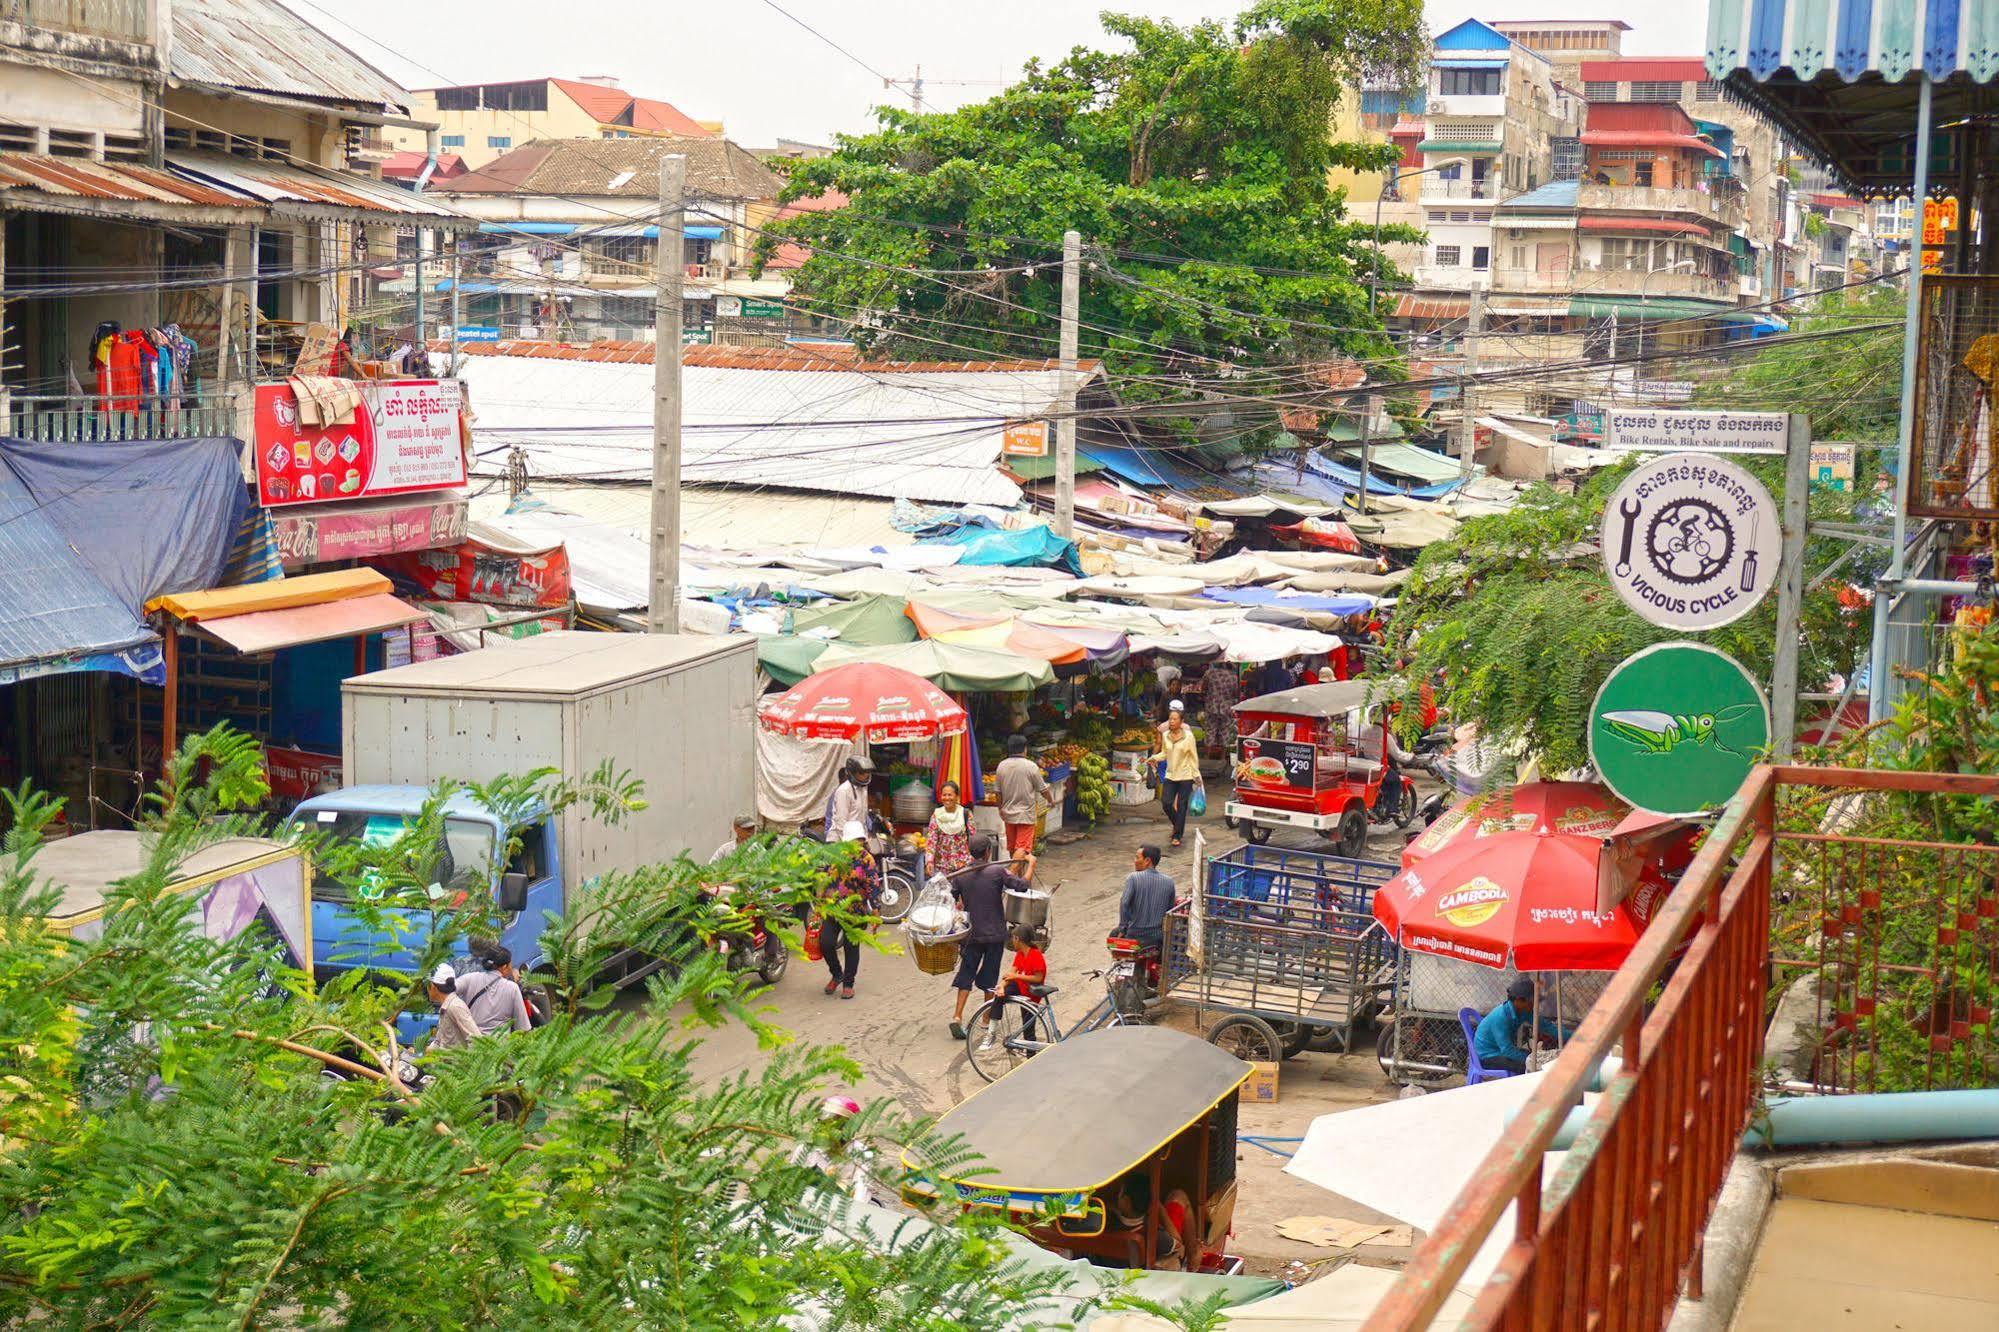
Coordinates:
(1467, 373)
(1065, 426)
(916, 90)
(457, 302)
(663, 605)
(1790, 586)
(1366, 445)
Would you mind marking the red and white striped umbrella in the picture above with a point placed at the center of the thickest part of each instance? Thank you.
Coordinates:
(863, 699)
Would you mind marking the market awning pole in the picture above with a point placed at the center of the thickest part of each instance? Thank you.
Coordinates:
(1877, 671)
(170, 704)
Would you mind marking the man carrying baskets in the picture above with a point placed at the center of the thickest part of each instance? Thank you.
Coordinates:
(982, 892)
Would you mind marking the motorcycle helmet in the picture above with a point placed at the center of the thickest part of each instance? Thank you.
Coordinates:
(839, 1108)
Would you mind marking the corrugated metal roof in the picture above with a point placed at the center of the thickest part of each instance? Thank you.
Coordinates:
(932, 436)
(76, 178)
(716, 168)
(261, 46)
(286, 184)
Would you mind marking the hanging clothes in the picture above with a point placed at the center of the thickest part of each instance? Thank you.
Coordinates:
(125, 373)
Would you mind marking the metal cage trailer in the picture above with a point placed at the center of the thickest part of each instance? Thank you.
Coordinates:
(1285, 944)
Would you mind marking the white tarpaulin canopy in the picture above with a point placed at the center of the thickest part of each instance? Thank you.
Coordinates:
(931, 436)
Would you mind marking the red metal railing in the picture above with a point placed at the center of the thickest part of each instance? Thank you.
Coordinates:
(1615, 1238)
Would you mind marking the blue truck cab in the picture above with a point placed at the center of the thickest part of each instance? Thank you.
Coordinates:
(523, 887)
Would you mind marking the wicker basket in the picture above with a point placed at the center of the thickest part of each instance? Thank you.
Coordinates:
(935, 958)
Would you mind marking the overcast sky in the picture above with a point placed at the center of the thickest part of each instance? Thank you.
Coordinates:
(764, 77)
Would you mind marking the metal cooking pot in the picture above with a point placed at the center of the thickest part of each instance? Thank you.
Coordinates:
(1028, 908)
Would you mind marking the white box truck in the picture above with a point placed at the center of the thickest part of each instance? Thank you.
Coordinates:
(674, 710)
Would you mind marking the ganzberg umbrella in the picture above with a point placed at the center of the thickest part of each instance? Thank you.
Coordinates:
(863, 699)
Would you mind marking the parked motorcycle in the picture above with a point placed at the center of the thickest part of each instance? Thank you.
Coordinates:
(751, 946)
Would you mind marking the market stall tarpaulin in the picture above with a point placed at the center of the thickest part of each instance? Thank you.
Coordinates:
(406, 436)
(863, 701)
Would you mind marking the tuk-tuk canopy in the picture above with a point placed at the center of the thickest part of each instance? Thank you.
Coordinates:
(1085, 1111)
(1336, 699)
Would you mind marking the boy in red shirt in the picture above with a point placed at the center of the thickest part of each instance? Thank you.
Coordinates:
(1028, 969)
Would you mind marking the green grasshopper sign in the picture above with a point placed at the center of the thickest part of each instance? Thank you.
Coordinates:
(1676, 728)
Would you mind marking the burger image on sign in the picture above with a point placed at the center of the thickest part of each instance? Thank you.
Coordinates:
(1473, 903)
(1258, 769)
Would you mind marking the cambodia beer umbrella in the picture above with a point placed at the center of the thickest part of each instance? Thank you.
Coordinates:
(1587, 809)
(1518, 898)
(863, 700)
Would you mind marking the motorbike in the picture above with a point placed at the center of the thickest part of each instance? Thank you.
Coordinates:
(751, 946)
(1133, 976)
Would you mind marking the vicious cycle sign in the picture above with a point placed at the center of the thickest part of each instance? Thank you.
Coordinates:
(1691, 541)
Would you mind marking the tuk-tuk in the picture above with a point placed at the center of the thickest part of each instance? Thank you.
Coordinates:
(1100, 1129)
(1298, 765)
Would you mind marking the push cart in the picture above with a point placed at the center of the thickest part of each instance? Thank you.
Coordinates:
(1285, 946)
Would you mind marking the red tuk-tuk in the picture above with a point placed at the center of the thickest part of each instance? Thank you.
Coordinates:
(1298, 766)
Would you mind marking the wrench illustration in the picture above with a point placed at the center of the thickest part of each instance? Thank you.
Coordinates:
(1630, 509)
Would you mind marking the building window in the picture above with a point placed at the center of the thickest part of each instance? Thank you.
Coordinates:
(1447, 256)
(451, 141)
(499, 141)
(1481, 258)
(1598, 91)
(1519, 253)
(1655, 91)
(458, 99)
(1468, 82)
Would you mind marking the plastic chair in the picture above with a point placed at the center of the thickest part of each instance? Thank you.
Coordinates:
(1476, 1072)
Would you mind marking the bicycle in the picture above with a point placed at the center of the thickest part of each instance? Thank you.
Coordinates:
(1008, 1031)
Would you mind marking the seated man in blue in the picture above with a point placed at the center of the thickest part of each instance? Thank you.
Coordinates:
(1497, 1041)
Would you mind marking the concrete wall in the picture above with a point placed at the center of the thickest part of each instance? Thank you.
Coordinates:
(563, 120)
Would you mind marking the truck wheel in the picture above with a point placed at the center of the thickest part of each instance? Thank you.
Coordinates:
(1351, 838)
(1256, 834)
(1247, 1037)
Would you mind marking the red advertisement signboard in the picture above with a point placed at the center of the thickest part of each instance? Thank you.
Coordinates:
(1278, 765)
(405, 437)
(474, 571)
(296, 773)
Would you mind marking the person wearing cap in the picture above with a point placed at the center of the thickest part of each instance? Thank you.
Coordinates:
(849, 805)
(742, 831)
(456, 1028)
(1497, 1040)
(1183, 767)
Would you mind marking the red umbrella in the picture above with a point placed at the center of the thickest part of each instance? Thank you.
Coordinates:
(884, 704)
(1517, 898)
(1587, 809)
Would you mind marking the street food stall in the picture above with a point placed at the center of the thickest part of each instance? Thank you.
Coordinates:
(1118, 1145)
(1298, 766)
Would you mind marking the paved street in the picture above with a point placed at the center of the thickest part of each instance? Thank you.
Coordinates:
(895, 1026)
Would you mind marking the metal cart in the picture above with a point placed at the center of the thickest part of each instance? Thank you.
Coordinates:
(1283, 943)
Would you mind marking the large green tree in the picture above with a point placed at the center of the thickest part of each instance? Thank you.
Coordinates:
(173, 1155)
(1193, 160)
(1849, 382)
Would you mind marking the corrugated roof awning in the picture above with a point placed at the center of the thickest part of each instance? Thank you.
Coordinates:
(1648, 139)
(1418, 464)
(1459, 146)
(1664, 225)
(1842, 80)
(289, 612)
(290, 189)
(36, 182)
(1653, 307)
(1412, 306)
(1498, 62)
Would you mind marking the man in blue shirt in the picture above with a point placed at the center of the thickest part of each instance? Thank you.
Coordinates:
(1497, 1040)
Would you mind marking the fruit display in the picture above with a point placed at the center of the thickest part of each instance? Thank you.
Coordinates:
(1090, 729)
(1093, 785)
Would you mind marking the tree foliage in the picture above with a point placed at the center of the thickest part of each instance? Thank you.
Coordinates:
(1517, 618)
(173, 1154)
(1207, 145)
(1849, 386)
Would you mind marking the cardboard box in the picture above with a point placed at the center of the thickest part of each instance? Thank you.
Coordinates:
(1261, 1089)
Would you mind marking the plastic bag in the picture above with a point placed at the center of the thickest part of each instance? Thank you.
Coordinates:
(1197, 804)
(935, 912)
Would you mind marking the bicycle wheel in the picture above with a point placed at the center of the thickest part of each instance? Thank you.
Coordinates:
(998, 1039)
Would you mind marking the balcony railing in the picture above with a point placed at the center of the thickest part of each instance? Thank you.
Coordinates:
(1621, 282)
(89, 419)
(119, 20)
(1617, 1234)
(1724, 206)
(1433, 188)
(1453, 277)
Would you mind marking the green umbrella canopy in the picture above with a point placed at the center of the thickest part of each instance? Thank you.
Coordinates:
(868, 620)
(948, 665)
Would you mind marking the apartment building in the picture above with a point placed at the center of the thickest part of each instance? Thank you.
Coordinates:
(478, 122)
(1567, 43)
(1496, 123)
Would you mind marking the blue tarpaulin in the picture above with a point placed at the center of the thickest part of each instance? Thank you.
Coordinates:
(1032, 546)
(90, 532)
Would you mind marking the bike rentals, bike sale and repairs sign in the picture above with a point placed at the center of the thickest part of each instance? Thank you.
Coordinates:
(1691, 541)
(1676, 728)
(1650, 430)
(405, 436)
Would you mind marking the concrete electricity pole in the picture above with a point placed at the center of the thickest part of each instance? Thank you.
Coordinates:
(663, 606)
(1065, 428)
(1467, 426)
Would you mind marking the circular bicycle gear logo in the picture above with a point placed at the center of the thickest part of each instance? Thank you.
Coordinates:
(1690, 540)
